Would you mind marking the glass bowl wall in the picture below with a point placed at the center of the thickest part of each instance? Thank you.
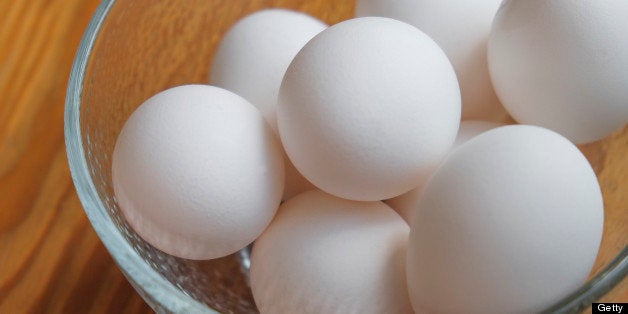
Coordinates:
(133, 49)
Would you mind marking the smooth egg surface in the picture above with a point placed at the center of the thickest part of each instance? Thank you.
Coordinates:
(510, 222)
(197, 172)
(252, 59)
(563, 65)
(323, 254)
(254, 54)
(461, 28)
(368, 107)
(406, 204)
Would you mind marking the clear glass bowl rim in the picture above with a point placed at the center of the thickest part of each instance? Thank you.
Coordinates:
(159, 293)
(155, 289)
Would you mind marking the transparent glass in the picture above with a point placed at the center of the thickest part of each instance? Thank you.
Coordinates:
(133, 49)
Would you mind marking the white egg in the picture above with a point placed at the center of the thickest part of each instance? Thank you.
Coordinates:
(563, 65)
(472, 128)
(367, 108)
(197, 172)
(461, 28)
(252, 59)
(323, 254)
(510, 222)
(406, 204)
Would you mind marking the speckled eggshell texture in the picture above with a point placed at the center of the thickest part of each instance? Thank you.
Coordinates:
(252, 59)
(461, 28)
(197, 172)
(510, 223)
(368, 107)
(563, 65)
(406, 204)
(323, 254)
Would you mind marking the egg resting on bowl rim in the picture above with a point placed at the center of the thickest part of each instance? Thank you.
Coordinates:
(197, 172)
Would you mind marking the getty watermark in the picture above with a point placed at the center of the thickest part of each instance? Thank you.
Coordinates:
(609, 308)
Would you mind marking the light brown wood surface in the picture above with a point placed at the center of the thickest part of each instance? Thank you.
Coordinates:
(50, 258)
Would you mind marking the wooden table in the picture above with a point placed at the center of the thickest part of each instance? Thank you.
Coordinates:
(50, 258)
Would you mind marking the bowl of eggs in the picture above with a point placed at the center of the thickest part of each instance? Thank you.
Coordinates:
(356, 156)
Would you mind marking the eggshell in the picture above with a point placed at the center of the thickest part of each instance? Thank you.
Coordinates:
(367, 108)
(254, 54)
(406, 204)
(472, 128)
(197, 172)
(252, 58)
(510, 223)
(563, 65)
(461, 28)
(323, 254)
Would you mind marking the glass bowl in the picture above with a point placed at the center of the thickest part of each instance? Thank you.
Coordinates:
(133, 49)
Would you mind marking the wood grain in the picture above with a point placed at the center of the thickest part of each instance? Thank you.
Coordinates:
(50, 258)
